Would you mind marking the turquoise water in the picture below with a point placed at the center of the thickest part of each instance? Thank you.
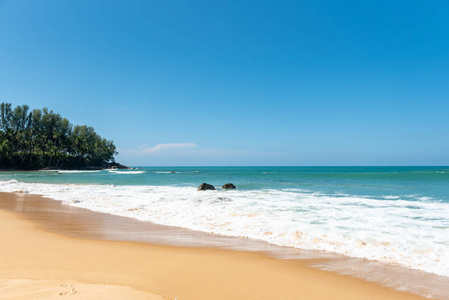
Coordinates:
(405, 182)
(397, 215)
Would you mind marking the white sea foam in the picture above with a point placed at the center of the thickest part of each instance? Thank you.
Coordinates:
(414, 233)
(126, 172)
(169, 172)
(390, 197)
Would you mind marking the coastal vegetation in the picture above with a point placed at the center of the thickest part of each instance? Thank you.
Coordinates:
(38, 139)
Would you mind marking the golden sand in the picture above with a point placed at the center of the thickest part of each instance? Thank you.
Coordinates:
(37, 264)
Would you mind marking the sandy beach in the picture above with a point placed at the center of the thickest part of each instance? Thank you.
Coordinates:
(224, 150)
(39, 264)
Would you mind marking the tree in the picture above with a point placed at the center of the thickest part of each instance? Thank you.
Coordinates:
(42, 138)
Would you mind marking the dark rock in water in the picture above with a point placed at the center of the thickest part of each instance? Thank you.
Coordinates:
(115, 166)
(206, 186)
(172, 172)
(228, 186)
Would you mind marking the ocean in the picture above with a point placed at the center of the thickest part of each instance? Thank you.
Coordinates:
(395, 215)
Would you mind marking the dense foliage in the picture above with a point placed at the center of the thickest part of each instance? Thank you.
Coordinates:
(40, 139)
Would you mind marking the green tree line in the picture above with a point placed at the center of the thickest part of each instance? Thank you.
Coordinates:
(37, 139)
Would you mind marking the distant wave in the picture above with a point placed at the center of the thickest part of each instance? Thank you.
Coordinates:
(391, 197)
(126, 172)
(169, 172)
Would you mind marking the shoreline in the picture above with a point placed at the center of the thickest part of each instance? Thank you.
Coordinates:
(281, 280)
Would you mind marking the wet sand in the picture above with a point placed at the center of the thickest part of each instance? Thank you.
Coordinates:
(52, 248)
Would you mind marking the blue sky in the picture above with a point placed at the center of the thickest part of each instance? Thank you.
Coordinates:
(238, 82)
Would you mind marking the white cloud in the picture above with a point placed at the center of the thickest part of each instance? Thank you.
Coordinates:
(191, 154)
(163, 148)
